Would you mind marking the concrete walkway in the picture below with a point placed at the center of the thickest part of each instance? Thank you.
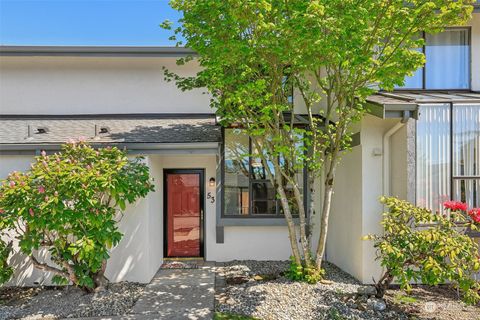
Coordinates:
(176, 294)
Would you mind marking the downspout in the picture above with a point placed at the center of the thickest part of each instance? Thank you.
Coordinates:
(386, 151)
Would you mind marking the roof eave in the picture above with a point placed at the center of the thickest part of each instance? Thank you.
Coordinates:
(104, 51)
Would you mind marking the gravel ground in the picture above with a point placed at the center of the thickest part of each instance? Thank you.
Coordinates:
(278, 298)
(66, 302)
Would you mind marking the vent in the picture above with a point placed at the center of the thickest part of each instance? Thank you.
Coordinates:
(101, 130)
(31, 130)
(41, 130)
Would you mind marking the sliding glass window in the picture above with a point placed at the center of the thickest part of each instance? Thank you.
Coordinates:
(448, 154)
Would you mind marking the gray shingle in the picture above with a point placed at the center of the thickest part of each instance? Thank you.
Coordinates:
(138, 129)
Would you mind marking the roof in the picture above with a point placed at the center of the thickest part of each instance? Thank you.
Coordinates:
(108, 129)
(400, 104)
(124, 51)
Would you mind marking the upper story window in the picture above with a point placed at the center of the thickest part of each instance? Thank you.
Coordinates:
(447, 65)
(247, 191)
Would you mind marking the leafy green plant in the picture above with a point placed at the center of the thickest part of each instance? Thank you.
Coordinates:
(419, 245)
(70, 203)
(302, 272)
(5, 270)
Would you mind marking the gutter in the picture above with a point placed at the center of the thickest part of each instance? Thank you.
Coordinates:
(95, 51)
(132, 148)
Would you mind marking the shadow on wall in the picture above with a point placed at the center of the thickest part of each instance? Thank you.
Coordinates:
(172, 133)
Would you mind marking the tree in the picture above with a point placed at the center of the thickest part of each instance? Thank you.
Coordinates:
(70, 203)
(332, 53)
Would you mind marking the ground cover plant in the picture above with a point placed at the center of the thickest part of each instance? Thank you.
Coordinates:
(69, 204)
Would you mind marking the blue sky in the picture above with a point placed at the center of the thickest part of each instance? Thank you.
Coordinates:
(85, 22)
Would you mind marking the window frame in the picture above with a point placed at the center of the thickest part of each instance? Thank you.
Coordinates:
(250, 214)
(423, 68)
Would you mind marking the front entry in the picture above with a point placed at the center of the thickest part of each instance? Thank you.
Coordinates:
(183, 200)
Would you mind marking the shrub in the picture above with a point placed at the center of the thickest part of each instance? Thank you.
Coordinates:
(418, 245)
(70, 203)
(5, 270)
(298, 272)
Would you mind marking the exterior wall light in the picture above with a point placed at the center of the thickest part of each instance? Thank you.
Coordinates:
(211, 182)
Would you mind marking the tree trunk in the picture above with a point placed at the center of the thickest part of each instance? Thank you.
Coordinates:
(99, 278)
(303, 227)
(327, 203)
(383, 284)
(292, 234)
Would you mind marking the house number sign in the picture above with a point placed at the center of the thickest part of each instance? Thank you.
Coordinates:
(212, 198)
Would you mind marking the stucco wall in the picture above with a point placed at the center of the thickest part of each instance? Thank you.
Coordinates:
(95, 85)
(344, 247)
(356, 208)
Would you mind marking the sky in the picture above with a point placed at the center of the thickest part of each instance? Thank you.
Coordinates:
(85, 22)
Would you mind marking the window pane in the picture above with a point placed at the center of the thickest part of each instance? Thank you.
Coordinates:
(467, 190)
(263, 198)
(433, 156)
(447, 54)
(258, 170)
(236, 197)
(466, 140)
(416, 80)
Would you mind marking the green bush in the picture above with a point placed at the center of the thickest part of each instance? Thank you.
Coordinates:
(5, 270)
(70, 203)
(298, 272)
(421, 246)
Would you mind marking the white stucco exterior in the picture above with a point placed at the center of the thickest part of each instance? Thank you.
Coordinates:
(95, 85)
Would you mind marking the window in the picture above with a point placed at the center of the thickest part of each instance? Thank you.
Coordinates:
(447, 65)
(247, 190)
(448, 154)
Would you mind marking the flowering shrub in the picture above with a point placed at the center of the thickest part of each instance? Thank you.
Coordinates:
(418, 245)
(70, 204)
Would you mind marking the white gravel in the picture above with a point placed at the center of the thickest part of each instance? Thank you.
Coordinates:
(283, 299)
(67, 302)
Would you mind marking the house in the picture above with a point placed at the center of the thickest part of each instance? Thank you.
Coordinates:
(420, 143)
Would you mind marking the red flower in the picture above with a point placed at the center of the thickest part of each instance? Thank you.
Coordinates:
(31, 212)
(475, 214)
(41, 189)
(456, 206)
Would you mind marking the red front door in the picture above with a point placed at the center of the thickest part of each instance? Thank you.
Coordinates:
(183, 214)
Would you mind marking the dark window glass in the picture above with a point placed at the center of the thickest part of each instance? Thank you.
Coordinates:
(247, 189)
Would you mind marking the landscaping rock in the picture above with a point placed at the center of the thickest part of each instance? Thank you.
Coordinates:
(367, 290)
(282, 299)
(67, 302)
(376, 304)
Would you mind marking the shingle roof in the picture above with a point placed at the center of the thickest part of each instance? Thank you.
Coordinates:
(121, 129)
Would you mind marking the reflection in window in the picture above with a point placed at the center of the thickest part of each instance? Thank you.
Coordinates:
(236, 176)
(247, 188)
